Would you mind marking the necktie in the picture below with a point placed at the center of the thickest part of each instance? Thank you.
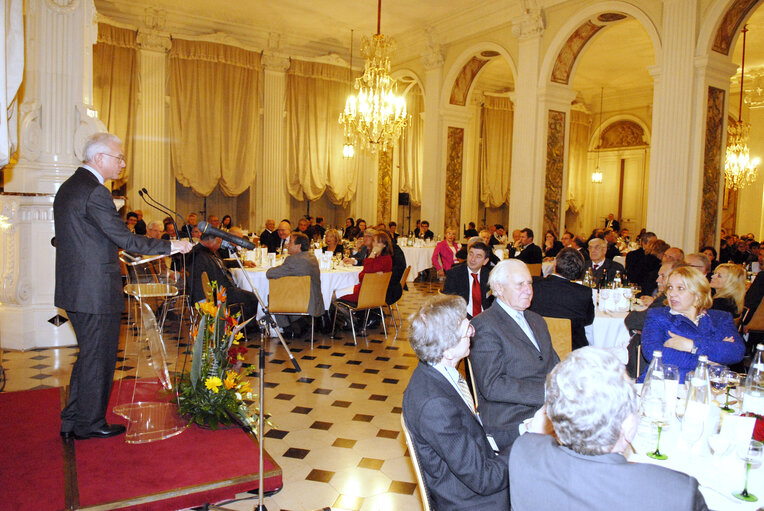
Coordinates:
(466, 394)
(477, 306)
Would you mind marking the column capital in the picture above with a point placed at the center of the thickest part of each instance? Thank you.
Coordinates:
(557, 95)
(528, 25)
(151, 40)
(273, 61)
(433, 57)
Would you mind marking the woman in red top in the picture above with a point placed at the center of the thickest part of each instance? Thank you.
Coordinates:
(380, 260)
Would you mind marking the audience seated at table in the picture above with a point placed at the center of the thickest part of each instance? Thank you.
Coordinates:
(423, 231)
(470, 279)
(551, 246)
(470, 231)
(612, 244)
(192, 219)
(269, 237)
(333, 244)
(457, 461)
(556, 296)
(444, 255)
(711, 254)
(700, 262)
(394, 288)
(525, 250)
(362, 248)
(583, 468)
(728, 285)
(511, 353)
(651, 264)
(379, 260)
(351, 231)
(603, 269)
(485, 237)
(635, 259)
(580, 245)
(688, 328)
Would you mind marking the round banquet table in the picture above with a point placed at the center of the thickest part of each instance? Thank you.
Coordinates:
(340, 281)
(419, 258)
(608, 331)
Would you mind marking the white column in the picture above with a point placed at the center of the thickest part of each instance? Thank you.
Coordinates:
(53, 125)
(471, 171)
(151, 168)
(271, 196)
(673, 198)
(526, 194)
(433, 167)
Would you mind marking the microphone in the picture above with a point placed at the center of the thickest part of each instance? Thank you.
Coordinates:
(204, 227)
(140, 192)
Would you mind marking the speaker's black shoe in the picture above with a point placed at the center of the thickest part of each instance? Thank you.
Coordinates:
(103, 432)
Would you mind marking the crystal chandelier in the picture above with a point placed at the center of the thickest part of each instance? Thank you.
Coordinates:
(375, 117)
(739, 169)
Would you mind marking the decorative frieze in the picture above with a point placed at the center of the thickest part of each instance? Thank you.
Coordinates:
(454, 166)
(555, 163)
(712, 166)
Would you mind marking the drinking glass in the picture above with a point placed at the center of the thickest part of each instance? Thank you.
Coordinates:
(718, 378)
(733, 379)
(654, 409)
(750, 453)
(671, 386)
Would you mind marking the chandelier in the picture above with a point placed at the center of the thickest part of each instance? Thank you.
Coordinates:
(375, 117)
(739, 169)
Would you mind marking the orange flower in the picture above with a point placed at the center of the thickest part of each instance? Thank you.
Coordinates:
(230, 380)
(244, 387)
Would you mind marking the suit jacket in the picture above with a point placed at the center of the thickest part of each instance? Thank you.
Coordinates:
(89, 233)
(612, 251)
(298, 265)
(394, 288)
(202, 260)
(606, 272)
(458, 282)
(509, 371)
(270, 239)
(546, 475)
(557, 297)
(634, 265)
(614, 224)
(530, 254)
(456, 460)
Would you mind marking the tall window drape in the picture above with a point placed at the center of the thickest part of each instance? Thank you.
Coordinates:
(214, 116)
(578, 175)
(316, 95)
(411, 147)
(115, 85)
(496, 151)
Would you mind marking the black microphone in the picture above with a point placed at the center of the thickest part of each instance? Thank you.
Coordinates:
(206, 228)
(177, 232)
(164, 211)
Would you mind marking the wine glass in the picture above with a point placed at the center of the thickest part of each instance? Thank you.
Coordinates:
(654, 409)
(733, 379)
(750, 453)
(718, 378)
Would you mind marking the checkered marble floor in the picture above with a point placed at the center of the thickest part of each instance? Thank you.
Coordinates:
(336, 429)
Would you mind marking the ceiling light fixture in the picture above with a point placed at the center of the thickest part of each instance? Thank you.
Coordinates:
(739, 169)
(348, 151)
(376, 116)
(597, 174)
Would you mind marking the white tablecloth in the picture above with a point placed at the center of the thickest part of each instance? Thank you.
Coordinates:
(547, 267)
(340, 280)
(418, 258)
(608, 330)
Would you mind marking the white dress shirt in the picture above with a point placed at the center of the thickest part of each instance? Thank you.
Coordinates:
(521, 322)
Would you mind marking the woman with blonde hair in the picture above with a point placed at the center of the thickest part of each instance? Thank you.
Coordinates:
(688, 328)
(333, 245)
(728, 280)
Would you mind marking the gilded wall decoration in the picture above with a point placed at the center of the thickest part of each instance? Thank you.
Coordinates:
(454, 177)
(568, 54)
(730, 23)
(622, 134)
(384, 186)
(555, 162)
(463, 81)
(712, 166)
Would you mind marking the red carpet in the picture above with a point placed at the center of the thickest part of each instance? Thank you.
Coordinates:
(190, 469)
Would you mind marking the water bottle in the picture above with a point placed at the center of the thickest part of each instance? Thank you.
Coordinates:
(652, 402)
(588, 278)
(753, 391)
(617, 280)
(698, 403)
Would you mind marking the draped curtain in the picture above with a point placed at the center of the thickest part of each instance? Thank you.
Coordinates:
(411, 148)
(214, 116)
(316, 95)
(115, 85)
(496, 151)
(578, 174)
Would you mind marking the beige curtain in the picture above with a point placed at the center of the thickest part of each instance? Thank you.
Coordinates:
(496, 151)
(214, 116)
(316, 95)
(115, 85)
(411, 147)
(578, 176)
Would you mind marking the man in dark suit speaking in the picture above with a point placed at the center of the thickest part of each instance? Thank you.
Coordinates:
(89, 233)
(511, 353)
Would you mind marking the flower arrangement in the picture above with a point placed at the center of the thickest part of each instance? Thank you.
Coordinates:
(214, 391)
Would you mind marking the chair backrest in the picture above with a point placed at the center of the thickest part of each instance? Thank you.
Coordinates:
(415, 461)
(757, 320)
(562, 338)
(405, 276)
(472, 380)
(534, 269)
(289, 295)
(373, 290)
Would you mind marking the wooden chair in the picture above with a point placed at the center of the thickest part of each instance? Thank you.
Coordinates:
(756, 324)
(291, 296)
(562, 338)
(371, 296)
(472, 380)
(404, 277)
(534, 269)
(423, 493)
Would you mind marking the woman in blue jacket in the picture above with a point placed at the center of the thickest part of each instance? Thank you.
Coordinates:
(687, 328)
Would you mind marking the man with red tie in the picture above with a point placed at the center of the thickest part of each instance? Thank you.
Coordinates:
(470, 279)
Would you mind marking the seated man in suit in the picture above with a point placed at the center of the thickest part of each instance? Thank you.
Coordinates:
(603, 269)
(612, 244)
(203, 259)
(635, 258)
(584, 468)
(283, 232)
(363, 248)
(301, 262)
(580, 245)
(269, 238)
(528, 252)
(456, 457)
(612, 223)
(557, 297)
(511, 353)
(470, 279)
(424, 231)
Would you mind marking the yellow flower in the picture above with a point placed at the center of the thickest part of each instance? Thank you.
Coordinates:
(244, 387)
(230, 380)
(209, 308)
(213, 383)
(238, 336)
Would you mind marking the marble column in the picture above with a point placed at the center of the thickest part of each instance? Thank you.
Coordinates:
(151, 168)
(271, 199)
(674, 188)
(433, 168)
(55, 119)
(529, 128)
(456, 121)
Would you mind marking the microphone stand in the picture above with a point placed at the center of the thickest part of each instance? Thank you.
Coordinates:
(177, 232)
(270, 321)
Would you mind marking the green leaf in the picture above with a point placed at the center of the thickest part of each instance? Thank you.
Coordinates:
(196, 363)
